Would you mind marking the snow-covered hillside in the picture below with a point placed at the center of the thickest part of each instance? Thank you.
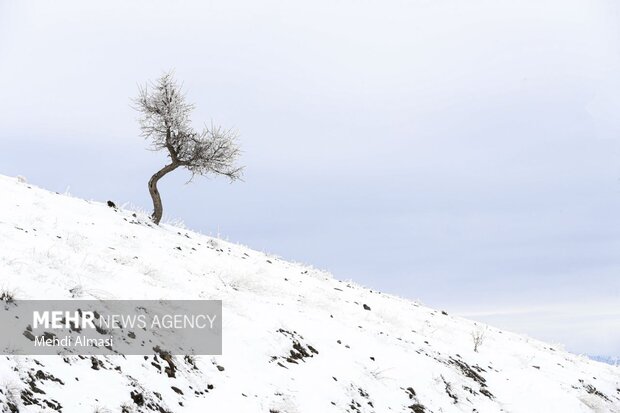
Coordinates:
(295, 339)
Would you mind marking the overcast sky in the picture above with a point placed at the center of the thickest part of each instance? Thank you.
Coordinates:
(462, 153)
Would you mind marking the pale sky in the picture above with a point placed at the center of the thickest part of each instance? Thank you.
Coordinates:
(462, 153)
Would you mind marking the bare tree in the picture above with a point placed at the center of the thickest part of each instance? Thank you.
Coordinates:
(477, 337)
(165, 121)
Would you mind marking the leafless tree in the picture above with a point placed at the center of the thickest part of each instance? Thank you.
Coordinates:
(165, 121)
(477, 337)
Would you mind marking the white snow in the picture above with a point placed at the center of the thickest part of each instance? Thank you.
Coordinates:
(396, 357)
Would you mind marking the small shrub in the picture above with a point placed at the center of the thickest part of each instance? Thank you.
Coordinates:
(7, 295)
(477, 337)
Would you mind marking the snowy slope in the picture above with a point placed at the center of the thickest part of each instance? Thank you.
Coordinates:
(295, 339)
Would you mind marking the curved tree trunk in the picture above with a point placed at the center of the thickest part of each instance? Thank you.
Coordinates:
(158, 209)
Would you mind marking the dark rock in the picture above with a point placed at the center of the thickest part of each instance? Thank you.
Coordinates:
(167, 357)
(137, 398)
(417, 408)
(410, 392)
(94, 363)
